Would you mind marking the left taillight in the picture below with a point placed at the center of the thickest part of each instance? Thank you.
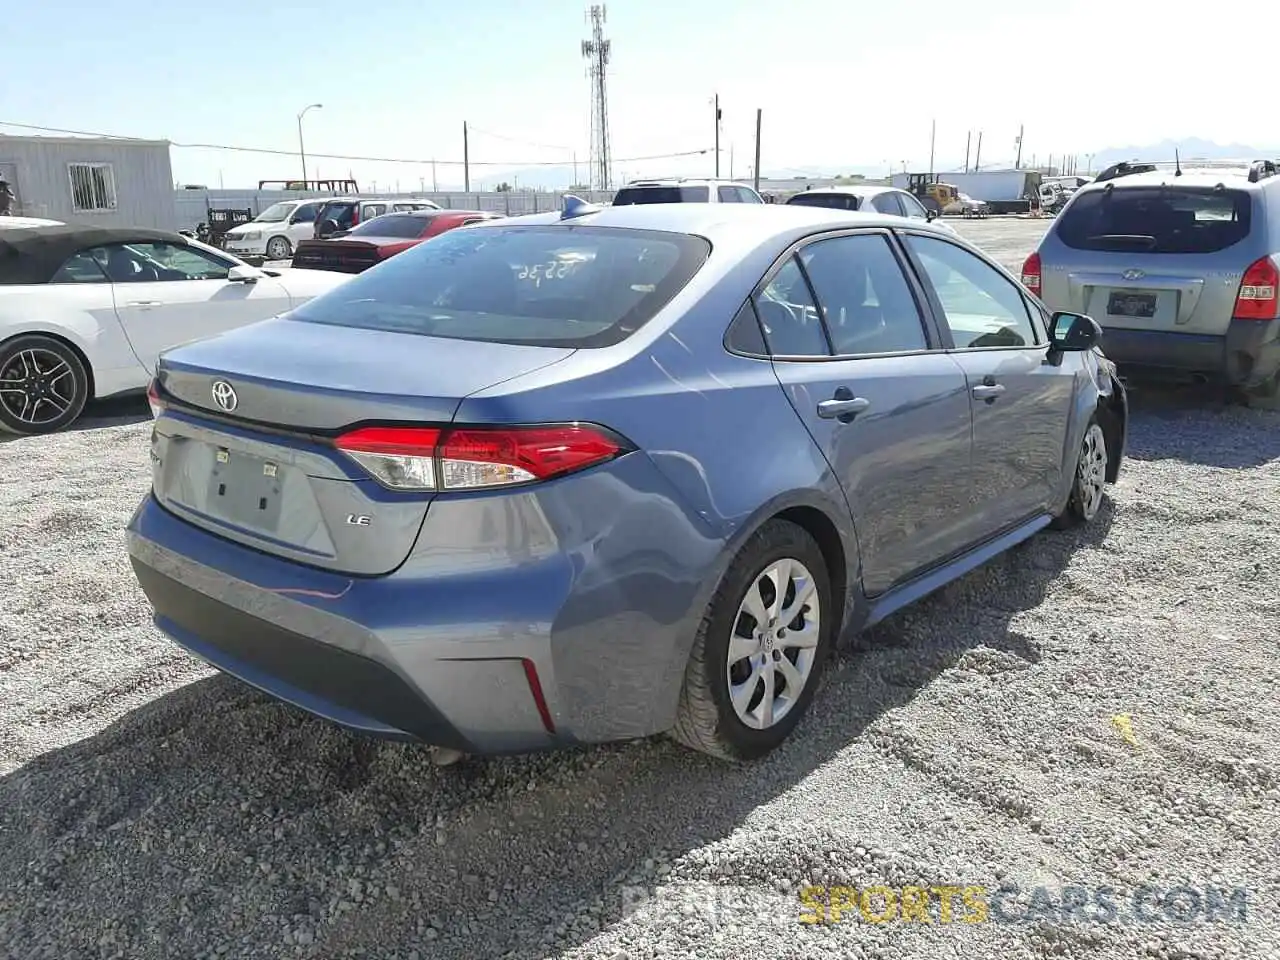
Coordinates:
(477, 457)
(154, 400)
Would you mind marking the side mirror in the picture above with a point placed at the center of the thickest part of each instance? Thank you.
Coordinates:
(1074, 332)
(930, 215)
(243, 274)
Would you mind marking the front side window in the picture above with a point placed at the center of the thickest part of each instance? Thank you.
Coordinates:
(789, 316)
(913, 207)
(981, 307)
(863, 295)
(543, 286)
(150, 262)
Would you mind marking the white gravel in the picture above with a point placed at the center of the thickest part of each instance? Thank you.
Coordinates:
(150, 809)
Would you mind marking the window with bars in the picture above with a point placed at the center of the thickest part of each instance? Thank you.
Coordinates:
(93, 187)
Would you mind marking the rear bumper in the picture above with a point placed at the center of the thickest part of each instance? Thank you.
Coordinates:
(1248, 355)
(450, 648)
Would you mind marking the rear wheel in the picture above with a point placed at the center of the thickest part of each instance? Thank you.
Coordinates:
(760, 648)
(279, 248)
(43, 385)
(1090, 479)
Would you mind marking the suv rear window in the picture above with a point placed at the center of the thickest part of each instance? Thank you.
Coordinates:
(542, 286)
(629, 195)
(1153, 219)
(340, 210)
(836, 201)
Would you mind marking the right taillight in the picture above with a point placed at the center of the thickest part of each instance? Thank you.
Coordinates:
(477, 457)
(154, 400)
(1257, 299)
(1031, 273)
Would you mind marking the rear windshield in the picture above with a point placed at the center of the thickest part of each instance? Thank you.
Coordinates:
(629, 195)
(836, 201)
(391, 226)
(557, 286)
(1163, 219)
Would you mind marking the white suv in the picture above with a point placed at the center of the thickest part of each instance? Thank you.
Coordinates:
(685, 191)
(274, 232)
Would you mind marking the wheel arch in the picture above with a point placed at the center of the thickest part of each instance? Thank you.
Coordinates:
(66, 341)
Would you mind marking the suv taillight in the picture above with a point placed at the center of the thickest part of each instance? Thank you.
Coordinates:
(477, 457)
(1031, 273)
(1257, 299)
(154, 401)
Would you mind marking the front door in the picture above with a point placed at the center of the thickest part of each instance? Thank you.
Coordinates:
(1021, 402)
(166, 294)
(891, 416)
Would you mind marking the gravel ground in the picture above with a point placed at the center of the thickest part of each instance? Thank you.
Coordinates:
(1094, 709)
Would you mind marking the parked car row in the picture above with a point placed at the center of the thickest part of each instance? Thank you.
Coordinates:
(275, 233)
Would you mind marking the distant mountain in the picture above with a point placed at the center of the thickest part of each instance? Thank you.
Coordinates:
(1192, 148)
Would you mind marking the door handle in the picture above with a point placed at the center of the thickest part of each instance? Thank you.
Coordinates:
(144, 303)
(988, 391)
(843, 409)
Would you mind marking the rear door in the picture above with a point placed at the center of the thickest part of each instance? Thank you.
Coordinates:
(1166, 258)
(167, 294)
(853, 352)
(1021, 402)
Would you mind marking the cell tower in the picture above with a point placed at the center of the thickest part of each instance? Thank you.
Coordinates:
(596, 52)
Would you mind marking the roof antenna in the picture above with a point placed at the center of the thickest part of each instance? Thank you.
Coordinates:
(1177, 163)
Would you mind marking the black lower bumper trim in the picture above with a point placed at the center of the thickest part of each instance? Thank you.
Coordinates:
(354, 683)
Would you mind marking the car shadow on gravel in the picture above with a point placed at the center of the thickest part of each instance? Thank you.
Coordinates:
(1195, 424)
(114, 412)
(214, 817)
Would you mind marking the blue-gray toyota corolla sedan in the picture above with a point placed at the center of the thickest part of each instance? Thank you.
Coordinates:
(605, 473)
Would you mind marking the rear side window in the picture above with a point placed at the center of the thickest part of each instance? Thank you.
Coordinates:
(393, 225)
(1164, 219)
(541, 286)
(836, 201)
(630, 195)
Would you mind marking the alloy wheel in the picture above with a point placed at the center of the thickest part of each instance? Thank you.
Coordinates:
(774, 642)
(37, 387)
(1091, 473)
(278, 249)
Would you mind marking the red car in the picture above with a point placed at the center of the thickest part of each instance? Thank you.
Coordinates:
(375, 240)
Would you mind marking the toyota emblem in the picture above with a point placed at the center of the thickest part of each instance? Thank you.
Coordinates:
(1134, 274)
(224, 395)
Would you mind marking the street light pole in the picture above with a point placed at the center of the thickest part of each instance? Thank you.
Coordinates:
(302, 151)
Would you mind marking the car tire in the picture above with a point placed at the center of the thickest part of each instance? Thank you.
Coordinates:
(279, 248)
(1089, 482)
(707, 719)
(40, 377)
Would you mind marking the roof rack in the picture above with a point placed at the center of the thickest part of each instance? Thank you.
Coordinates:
(1255, 169)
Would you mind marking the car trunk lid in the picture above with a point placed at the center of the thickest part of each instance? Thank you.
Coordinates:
(246, 448)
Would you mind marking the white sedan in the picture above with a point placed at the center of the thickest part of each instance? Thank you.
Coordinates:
(84, 312)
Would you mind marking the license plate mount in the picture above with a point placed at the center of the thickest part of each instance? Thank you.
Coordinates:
(245, 490)
(1135, 304)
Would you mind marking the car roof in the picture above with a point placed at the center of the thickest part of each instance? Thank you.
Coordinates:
(866, 190)
(684, 182)
(1210, 177)
(729, 223)
(34, 254)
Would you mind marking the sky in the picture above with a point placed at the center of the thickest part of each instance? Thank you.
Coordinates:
(841, 84)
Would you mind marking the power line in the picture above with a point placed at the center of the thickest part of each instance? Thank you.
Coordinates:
(528, 143)
(350, 157)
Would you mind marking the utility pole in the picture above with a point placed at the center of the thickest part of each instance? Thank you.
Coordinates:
(977, 158)
(1017, 165)
(756, 181)
(933, 138)
(968, 142)
(717, 136)
(466, 160)
(730, 160)
(302, 151)
(434, 188)
(597, 52)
